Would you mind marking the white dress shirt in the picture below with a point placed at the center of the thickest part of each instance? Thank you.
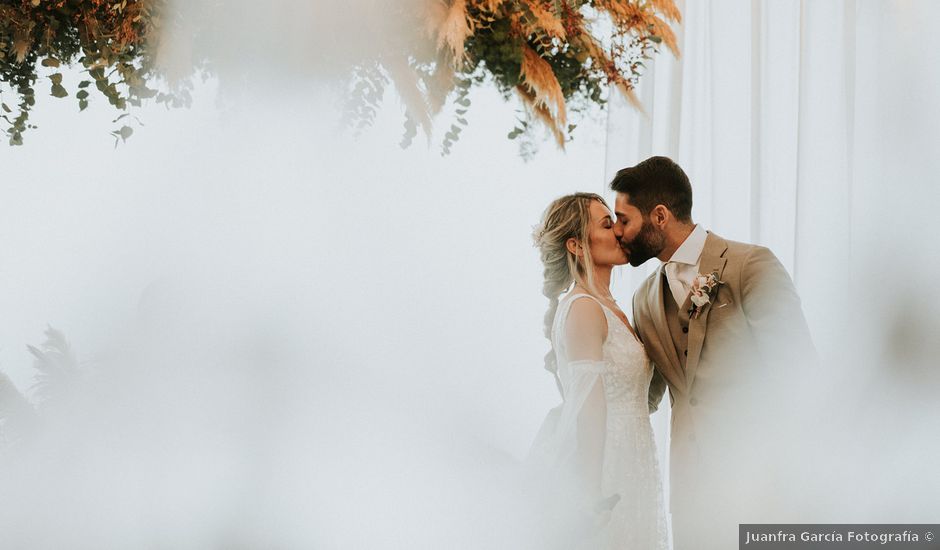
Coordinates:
(683, 266)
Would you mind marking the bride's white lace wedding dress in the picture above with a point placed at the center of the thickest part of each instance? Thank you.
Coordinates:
(630, 468)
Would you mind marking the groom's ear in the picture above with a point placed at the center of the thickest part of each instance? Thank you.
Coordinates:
(659, 215)
(574, 247)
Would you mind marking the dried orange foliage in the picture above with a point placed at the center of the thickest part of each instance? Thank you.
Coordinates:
(544, 91)
(546, 35)
(557, 56)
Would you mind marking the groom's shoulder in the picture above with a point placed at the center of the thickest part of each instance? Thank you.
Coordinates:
(742, 249)
(644, 287)
(648, 280)
(748, 257)
(739, 249)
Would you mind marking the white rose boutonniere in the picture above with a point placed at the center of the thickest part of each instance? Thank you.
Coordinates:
(704, 288)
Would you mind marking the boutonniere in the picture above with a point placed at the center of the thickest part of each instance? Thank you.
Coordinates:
(704, 288)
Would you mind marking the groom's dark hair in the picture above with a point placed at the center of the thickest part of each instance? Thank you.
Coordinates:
(656, 180)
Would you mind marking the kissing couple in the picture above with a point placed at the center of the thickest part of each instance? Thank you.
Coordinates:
(718, 324)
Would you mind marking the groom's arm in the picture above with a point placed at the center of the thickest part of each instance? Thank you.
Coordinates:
(774, 311)
(658, 383)
(657, 390)
(787, 358)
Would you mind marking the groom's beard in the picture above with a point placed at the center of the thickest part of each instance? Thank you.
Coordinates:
(647, 244)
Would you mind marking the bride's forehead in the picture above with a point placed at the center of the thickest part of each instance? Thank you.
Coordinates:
(599, 211)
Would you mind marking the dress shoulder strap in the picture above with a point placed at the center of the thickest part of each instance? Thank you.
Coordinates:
(572, 297)
(561, 318)
(565, 305)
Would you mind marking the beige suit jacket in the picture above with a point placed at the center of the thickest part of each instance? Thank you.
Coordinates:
(747, 352)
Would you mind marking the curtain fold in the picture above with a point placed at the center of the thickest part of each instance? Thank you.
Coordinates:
(810, 127)
(760, 111)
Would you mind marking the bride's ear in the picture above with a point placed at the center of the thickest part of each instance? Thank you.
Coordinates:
(574, 247)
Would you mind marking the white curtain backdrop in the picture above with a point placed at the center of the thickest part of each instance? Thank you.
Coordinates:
(808, 127)
(786, 115)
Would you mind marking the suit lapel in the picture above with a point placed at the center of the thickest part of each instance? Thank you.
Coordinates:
(673, 371)
(712, 260)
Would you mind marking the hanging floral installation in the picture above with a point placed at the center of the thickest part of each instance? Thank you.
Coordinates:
(113, 40)
(557, 57)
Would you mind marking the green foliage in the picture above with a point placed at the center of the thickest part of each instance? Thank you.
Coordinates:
(462, 105)
(108, 39)
(411, 131)
(367, 88)
(497, 51)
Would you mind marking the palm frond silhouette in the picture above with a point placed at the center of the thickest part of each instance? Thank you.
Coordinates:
(17, 414)
(56, 366)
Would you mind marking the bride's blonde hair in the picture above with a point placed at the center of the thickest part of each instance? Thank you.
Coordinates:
(565, 218)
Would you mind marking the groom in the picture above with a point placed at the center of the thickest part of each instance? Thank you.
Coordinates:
(722, 323)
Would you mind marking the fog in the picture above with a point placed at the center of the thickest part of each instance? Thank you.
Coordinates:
(284, 335)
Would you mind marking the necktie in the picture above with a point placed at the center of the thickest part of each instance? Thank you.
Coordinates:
(676, 286)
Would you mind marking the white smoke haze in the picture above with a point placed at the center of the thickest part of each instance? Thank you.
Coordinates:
(288, 39)
(290, 338)
(276, 348)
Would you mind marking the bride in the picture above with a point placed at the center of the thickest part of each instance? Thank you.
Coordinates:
(599, 440)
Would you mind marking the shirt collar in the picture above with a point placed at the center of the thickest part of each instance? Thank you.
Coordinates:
(691, 249)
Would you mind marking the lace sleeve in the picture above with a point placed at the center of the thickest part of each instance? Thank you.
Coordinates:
(557, 441)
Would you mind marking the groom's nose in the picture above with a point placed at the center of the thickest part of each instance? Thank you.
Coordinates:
(618, 230)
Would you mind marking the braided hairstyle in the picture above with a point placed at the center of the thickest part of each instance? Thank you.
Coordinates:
(565, 218)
